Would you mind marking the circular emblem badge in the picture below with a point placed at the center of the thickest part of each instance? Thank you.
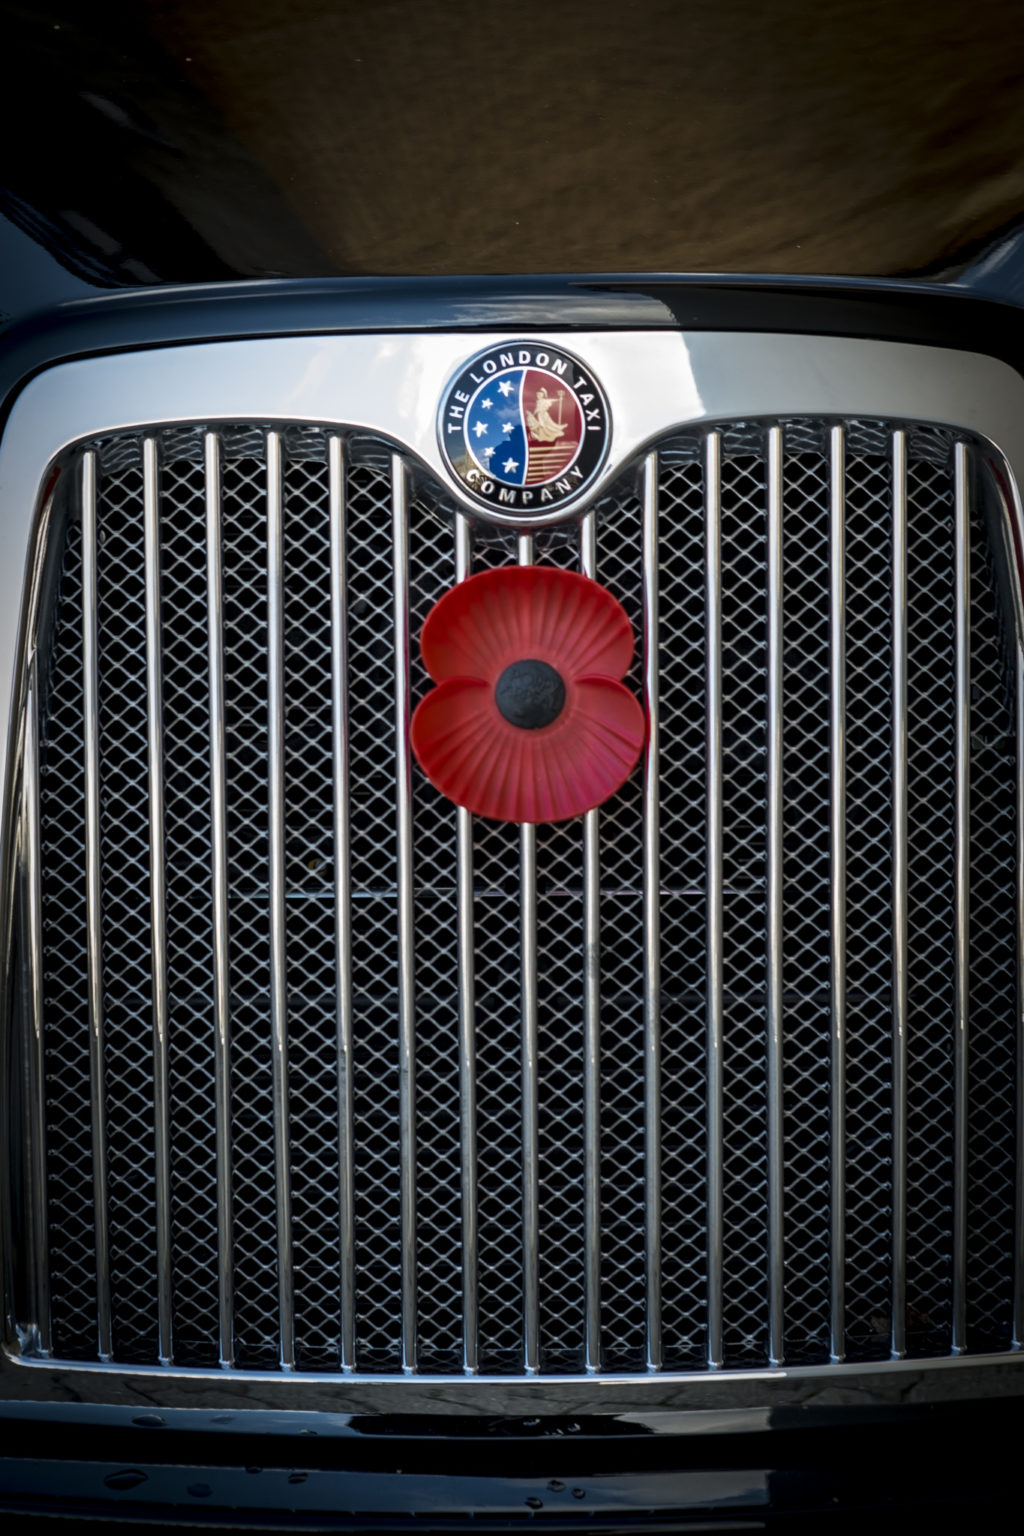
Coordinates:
(524, 428)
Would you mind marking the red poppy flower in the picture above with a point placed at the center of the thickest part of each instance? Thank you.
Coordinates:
(529, 721)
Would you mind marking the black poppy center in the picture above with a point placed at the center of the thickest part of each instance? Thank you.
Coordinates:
(530, 694)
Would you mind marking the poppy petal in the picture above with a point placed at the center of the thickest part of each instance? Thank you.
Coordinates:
(481, 626)
(453, 718)
(580, 765)
(477, 759)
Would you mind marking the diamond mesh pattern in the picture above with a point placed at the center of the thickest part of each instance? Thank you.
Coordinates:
(66, 1034)
(806, 921)
(744, 641)
(310, 917)
(309, 908)
(371, 642)
(931, 662)
(127, 959)
(682, 674)
(244, 578)
(993, 973)
(438, 1151)
(189, 904)
(868, 898)
(622, 961)
(560, 1056)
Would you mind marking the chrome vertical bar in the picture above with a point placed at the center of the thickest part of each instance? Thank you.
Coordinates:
(776, 1188)
(38, 1203)
(467, 1039)
(406, 941)
(221, 963)
(158, 897)
(278, 973)
(528, 987)
(837, 902)
(342, 903)
(591, 1041)
(898, 1343)
(1018, 1235)
(962, 875)
(652, 923)
(93, 910)
(715, 1001)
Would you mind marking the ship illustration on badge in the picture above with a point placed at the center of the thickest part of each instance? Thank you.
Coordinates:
(524, 429)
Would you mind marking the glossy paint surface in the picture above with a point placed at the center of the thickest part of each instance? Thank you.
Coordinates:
(181, 141)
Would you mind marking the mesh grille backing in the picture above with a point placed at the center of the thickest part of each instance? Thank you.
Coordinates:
(310, 941)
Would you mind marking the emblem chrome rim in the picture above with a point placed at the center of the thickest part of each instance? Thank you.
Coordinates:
(524, 428)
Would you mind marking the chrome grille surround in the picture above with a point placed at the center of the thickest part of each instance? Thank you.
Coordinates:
(748, 489)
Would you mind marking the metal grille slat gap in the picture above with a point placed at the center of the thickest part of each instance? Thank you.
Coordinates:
(542, 1280)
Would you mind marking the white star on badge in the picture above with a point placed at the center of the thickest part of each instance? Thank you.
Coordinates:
(511, 464)
(505, 386)
(486, 404)
(488, 452)
(480, 429)
(509, 426)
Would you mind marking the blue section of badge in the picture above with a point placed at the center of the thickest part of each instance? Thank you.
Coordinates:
(494, 427)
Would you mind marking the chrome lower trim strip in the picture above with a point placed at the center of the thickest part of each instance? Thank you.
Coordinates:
(715, 999)
(652, 920)
(278, 973)
(93, 908)
(158, 899)
(837, 898)
(952, 1378)
(776, 1232)
(467, 1038)
(406, 917)
(32, 856)
(530, 1123)
(961, 897)
(591, 1040)
(342, 905)
(221, 958)
(898, 1341)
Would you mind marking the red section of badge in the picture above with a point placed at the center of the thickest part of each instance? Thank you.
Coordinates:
(554, 425)
(466, 746)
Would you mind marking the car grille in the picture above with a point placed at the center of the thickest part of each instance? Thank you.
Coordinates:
(284, 1129)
